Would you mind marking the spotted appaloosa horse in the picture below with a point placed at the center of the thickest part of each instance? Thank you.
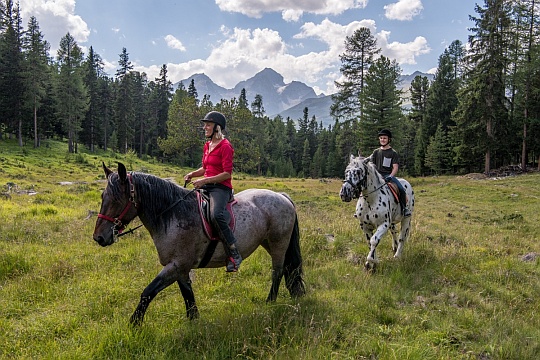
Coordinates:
(376, 209)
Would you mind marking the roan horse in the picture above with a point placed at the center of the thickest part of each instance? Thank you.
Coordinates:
(376, 209)
(170, 213)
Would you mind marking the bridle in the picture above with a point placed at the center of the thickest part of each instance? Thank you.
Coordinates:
(357, 188)
(362, 184)
(118, 222)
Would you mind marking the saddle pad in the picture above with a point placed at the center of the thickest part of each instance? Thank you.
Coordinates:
(395, 191)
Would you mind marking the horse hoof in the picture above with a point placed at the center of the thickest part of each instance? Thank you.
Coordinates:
(369, 267)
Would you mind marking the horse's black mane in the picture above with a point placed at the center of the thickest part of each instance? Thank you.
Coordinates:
(160, 198)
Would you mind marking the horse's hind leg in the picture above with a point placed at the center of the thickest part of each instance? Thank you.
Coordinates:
(403, 236)
(277, 275)
(394, 232)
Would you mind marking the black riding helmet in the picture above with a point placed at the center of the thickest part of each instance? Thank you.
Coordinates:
(216, 118)
(385, 132)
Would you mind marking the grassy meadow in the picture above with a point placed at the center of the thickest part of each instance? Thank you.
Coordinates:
(467, 286)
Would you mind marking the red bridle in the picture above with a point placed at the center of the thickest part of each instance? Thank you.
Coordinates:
(119, 225)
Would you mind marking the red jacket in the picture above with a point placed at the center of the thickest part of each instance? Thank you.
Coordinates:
(219, 160)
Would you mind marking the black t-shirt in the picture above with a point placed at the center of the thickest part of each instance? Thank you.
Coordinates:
(384, 160)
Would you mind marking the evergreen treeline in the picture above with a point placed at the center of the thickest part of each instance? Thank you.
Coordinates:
(480, 112)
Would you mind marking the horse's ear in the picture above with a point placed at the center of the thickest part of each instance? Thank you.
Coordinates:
(122, 172)
(351, 158)
(106, 169)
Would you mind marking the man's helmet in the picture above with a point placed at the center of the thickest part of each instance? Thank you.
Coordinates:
(385, 132)
(216, 118)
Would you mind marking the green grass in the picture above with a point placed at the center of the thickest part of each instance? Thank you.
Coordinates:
(461, 291)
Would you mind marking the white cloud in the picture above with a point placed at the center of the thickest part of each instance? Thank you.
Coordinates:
(56, 18)
(245, 52)
(403, 9)
(404, 53)
(174, 43)
(291, 10)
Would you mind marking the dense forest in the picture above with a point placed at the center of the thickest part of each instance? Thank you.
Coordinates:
(480, 112)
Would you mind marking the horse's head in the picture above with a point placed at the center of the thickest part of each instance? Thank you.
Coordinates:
(118, 206)
(355, 178)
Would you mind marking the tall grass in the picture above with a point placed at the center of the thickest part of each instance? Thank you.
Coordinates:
(467, 286)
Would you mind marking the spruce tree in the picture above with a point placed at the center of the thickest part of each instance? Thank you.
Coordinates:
(360, 49)
(37, 76)
(12, 68)
(71, 93)
(382, 103)
(124, 109)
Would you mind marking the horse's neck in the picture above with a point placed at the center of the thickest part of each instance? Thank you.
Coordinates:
(156, 204)
(373, 183)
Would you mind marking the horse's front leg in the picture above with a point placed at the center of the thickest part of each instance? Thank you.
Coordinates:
(189, 298)
(372, 258)
(166, 277)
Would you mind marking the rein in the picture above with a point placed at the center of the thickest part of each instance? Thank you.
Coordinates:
(177, 201)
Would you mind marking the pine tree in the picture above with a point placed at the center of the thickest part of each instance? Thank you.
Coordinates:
(419, 93)
(91, 129)
(488, 60)
(37, 74)
(162, 102)
(12, 68)
(382, 103)
(438, 154)
(306, 159)
(124, 109)
(192, 91)
(71, 93)
(257, 107)
(183, 140)
(441, 102)
(360, 49)
(242, 99)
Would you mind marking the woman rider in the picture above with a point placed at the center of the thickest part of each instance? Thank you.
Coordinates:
(216, 170)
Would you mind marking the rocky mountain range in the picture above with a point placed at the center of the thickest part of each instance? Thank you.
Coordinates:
(279, 98)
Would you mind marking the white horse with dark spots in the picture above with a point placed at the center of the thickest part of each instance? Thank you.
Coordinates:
(377, 209)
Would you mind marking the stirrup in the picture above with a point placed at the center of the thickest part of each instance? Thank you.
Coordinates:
(233, 264)
(407, 212)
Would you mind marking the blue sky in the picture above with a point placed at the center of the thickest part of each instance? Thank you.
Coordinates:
(232, 40)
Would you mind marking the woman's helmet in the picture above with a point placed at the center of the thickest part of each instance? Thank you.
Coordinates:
(385, 132)
(216, 118)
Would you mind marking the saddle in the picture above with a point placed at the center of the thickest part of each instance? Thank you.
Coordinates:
(203, 200)
(395, 191)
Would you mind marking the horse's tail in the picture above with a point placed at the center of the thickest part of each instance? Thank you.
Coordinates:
(292, 268)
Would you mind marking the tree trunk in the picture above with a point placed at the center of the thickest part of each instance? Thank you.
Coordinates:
(36, 142)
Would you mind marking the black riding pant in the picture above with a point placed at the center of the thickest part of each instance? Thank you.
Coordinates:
(220, 195)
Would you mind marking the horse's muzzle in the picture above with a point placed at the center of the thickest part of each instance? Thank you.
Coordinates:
(101, 240)
(345, 194)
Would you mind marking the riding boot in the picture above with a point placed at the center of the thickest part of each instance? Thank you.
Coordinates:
(234, 258)
(403, 203)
